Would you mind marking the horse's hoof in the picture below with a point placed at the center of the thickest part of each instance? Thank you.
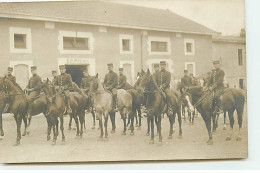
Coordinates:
(74, 128)
(93, 127)
(123, 133)
(63, 142)
(224, 128)
(2, 133)
(180, 137)
(53, 143)
(157, 134)
(214, 132)
(129, 128)
(100, 139)
(16, 143)
(136, 125)
(1, 137)
(139, 128)
(24, 134)
(169, 137)
(192, 123)
(151, 141)
(239, 138)
(132, 134)
(113, 131)
(69, 128)
(147, 134)
(210, 142)
(228, 138)
(28, 132)
(48, 138)
(160, 143)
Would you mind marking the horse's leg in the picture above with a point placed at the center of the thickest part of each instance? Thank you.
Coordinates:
(75, 117)
(82, 122)
(189, 117)
(140, 117)
(183, 113)
(62, 128)
(49, 128)
(180, 121)
(25, 125)
(207, 120)
(214, 129)
(112, 118)
(70, 122)
(159, 126)
(1, 125)
(171, 126)
(148, 126)
(18, 119)
(193, 115)
(131, 115)
(105, 124)
(94, 119)
(101, 128)
(57, 126)
(124, 121)
(240, 120)
(136, 119)
(225, 115)
(128, 122)
(152, 129)
(231, 120)
(54, 131)
(156, 123)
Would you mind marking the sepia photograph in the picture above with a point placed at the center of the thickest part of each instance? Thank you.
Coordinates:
(122, 80)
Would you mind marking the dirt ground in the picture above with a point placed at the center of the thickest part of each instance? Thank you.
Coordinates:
(35, 148)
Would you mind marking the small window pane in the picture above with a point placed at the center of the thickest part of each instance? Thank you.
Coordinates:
(240, 58)
(126, 45)
(75, 43)
(20, 41)
(157, 46)
(189, 47)
(241, 83)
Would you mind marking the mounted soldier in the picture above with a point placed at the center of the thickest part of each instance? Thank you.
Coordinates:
(110, 84)
(206, 80)
(122, 81)
(216, 85)
(54, 74)
(85, 85)
(186, 80)
(33, 88)
(63, 83)
(163, 79)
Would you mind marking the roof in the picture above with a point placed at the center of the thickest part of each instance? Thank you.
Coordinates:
(103, 13)
(230, 39)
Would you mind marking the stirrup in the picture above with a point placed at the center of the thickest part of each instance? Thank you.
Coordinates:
(6, 108)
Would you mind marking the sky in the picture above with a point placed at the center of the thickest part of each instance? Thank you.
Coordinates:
(225, 16)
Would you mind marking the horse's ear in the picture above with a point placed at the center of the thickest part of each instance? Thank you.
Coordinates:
(97, 75)
(48, 80)
(148, 71)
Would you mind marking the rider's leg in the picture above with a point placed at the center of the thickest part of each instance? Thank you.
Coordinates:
(114, 92)
(218, 97)
(67, 95)
(168, 101)
(30, 99)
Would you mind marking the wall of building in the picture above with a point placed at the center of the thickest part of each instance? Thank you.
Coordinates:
(228, 53)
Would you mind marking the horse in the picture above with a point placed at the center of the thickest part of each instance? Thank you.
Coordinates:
(232, 99)
(55, 108)
(2, 106)
(124, 102)
(154, 103)
(18, 104)
(102, 102)
(191, 114)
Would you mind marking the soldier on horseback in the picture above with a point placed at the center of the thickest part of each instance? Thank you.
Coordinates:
(33, 89)
(54, 74)
(122, 83)
(63, 84)
(216, 85)
(186, 80)
(85, 85)
(110, 84)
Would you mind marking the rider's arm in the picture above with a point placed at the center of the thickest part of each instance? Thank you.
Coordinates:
(168, 80)
(115, 82)
(220, 78)
(38, 84)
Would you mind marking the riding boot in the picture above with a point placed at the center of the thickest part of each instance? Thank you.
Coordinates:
(6, 108)
(114, 105)
(69, 111)
(219, 106)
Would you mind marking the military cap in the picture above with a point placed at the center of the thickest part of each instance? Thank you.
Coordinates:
(54, 71)
(62, 66)
(121, 69)
(162, 62)
(216, 62)
(185, 71)
(110, 65)
(156, 65)
(10, 69)
(33, 67)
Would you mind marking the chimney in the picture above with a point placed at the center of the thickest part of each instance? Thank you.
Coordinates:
(242, 33)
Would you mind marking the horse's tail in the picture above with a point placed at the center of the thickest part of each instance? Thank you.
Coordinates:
(240, 102)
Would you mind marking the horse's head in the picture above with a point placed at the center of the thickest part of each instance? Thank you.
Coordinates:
(93, 84)
(146, 82)
(49, 89)
(6, 85)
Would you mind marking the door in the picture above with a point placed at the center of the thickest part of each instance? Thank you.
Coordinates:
(76, 72)
(22, 75)
(128, 72)
(190, 69)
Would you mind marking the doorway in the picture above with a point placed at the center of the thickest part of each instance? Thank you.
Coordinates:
(76, 72)
(22, 75)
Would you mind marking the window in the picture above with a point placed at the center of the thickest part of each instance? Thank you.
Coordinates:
(74, 43)
(20, 40)
(189, 47)
(126, 44)
(240, 58)
(159, 45)
(241, 83)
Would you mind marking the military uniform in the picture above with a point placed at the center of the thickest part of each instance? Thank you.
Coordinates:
(35, 86)
(122, 83)
(163, 79)
(186, 81)
(11, 78)
(85, 85)
(111, 83)
(64, 82)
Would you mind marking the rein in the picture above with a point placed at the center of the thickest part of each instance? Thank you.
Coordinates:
(202, 98)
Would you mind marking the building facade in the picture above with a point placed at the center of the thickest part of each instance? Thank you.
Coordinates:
(48, 42)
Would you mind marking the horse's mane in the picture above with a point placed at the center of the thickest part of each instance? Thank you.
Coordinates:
(16, 85)
(197, 90)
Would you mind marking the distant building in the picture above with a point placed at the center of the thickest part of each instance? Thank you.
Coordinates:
(231, 51)
(93, 33)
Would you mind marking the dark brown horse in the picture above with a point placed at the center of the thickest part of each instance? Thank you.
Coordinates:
(17, 103)
(55, 108)
(154, 103)
(232, 99)
(2, 106)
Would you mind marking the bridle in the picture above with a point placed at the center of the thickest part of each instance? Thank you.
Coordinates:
(5, 92)
(51, 98)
